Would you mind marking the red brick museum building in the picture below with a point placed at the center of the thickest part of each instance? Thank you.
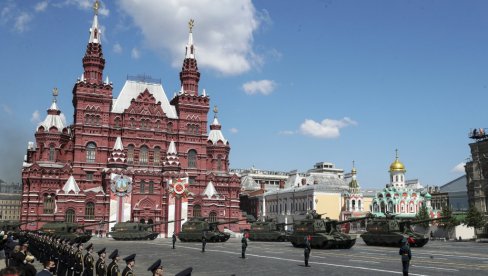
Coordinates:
(135, 155)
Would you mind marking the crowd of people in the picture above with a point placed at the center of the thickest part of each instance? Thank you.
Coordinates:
(65, 257)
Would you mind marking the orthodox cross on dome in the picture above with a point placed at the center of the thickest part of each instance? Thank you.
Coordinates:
(191, 23)
(96, 6)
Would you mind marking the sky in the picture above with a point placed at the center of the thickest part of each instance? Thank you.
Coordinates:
(295, 82)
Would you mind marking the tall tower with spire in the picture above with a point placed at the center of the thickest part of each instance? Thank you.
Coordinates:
(218, 148)
(189, 75)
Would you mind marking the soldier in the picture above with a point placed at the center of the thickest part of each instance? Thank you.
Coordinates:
(307, 250)
(78, 267)
(131, 262)
(185, 272)
(204, 242)
(113, 267)
(101, 267)
(70, 258)
(156, 268)
(406, 254)
(174, 240)
(244, 245)
(89, 261)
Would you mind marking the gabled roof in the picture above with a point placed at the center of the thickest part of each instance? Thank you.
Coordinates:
(132, 89)
(456, 185)
(210, 190)
(71, 185)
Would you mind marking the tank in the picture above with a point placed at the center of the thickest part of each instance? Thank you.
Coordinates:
(195, 228)
(13, 225)
(323, 232)
(390, 231)
(131, 231)
(69, 230)
(268, 230)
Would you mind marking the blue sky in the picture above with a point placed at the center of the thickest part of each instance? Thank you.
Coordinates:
(295, 82)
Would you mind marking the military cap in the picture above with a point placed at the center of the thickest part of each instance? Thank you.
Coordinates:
(185, 272)
(88, 247)
(130, 258)
(101, 251)
(114, 254)
(155, 266)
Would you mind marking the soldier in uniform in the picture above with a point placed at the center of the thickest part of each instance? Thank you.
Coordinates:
(113, 267)
(307, 250)
(185, 272)
(244, 245)
(89, 261)
(70, 258)
(406, 254)
(101, 267)
(204, 242)
(174, 240)
(131, 262)
(78, 268)
(156, 268)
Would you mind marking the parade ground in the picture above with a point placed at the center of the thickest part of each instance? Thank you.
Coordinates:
(281, 258)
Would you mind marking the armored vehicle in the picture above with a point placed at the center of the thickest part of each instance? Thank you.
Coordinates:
(69, 230)
(195, 228)
(130, 231)
(323, 232)
(12, 225)
(268, 230)
(390, 231)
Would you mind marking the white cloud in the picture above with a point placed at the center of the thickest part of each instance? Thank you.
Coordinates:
(41, 6)
(21, 21)
(86, 5)
(326, 129)
(36, 117)
(459, 168)
(6, 109)
(135, 54)
(223, 31)
(117, 48)
(233, 130)
(264, 87)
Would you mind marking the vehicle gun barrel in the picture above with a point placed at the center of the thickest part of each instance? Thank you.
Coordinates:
(161, 222)
(93, 224)
(413, 222)
(351, 220)
(227, 222)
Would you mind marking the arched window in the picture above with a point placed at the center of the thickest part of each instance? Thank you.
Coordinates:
(90, 211)
(69, 216)
(52, 152)
(151, 187)
(219, 162)
(48, 204)
(143, 187)
(170, 127)
(157, 156)
(130, 154)
(197, 129)
(150, 221)
(382, 207)
(212, 217)
(359, 205)
(353, 203)
(143, 156)
(192, 158)
(91, 150)
(390, 207)
(197, 211)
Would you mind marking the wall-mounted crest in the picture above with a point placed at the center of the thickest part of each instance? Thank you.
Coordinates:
(121, 185)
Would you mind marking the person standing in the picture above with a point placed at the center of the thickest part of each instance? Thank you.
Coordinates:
(174, 240)
(244, 245)
(78, 268)
(101, 267)
(89, 261)
(113, 267)
(406, 254)
(307, 250)
(204, 242)
(49, 267)
(130, 261)
(29, 269)
(156, 268)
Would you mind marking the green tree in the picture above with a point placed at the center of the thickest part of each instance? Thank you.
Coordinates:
(474, 218)
(422, 214)
(450, 221)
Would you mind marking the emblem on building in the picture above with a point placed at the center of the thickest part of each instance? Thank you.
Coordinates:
(121, 185)
(179, 187)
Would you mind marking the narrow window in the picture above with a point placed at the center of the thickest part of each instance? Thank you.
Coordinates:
(151, 187)
(90, 211)
(91, 150)
(130, 154)
(52, 152)
(157, 156)
(70, 215)
(143, 187)
(143, 156)
(212, 217)
(192, 159)
(197, 211)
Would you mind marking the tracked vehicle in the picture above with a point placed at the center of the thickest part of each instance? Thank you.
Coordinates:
(130, 231)
(68, 230)
(195, 228)
(268, 230)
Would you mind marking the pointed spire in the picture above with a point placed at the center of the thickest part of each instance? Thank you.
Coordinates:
(353, 185)
(204, 93)
(82, 77)
(215, 134)
(107, 81)
(182, 91)
(189, 75)
(118, 158)
(95, 33)
(118, 144)
(53, 118)
(210, 190)
(172, 161)
(172, 148)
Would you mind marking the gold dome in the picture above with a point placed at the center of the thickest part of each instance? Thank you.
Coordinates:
(397, 165)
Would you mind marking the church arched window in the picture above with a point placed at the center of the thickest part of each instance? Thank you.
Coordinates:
(143, 156)
(90, 211)
(353, 204)
(192, 158)
(91, 149)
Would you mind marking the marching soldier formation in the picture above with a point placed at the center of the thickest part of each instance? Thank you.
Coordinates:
(64, 257)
